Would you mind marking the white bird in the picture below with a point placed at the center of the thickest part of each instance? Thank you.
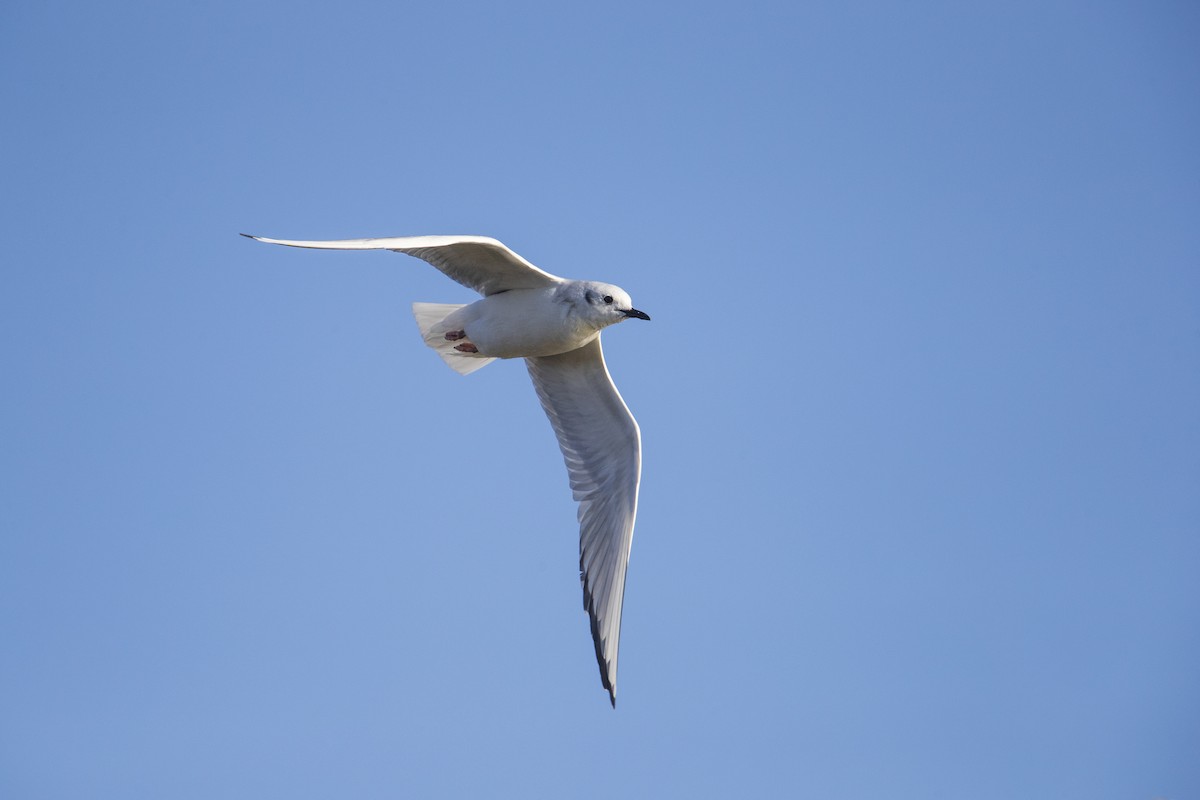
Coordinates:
(554, 324)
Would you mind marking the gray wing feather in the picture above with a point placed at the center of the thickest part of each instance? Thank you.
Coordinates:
(601, 444)
(477, 262)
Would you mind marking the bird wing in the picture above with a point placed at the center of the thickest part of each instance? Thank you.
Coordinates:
(602, 445)
(477, 262)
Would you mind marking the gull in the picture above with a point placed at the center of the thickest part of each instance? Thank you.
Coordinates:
(554, 324)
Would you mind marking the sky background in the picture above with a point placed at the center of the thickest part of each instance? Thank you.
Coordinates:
(920, 401)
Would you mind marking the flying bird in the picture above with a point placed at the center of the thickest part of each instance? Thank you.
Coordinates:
(554, 324)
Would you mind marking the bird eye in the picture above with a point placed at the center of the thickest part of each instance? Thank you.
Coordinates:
(608, 299)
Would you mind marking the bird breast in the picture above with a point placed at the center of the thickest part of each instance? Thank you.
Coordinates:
(524, 323)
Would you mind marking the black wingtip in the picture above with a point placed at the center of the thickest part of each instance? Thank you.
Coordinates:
(248, 236)
(598, 645)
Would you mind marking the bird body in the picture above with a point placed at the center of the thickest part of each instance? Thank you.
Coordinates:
(555, 325)
(525, 323)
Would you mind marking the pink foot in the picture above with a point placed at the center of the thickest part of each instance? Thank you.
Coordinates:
(454, 336)
(466, 347)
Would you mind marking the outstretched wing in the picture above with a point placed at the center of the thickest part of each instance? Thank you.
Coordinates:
(602, 446)
(477, 262)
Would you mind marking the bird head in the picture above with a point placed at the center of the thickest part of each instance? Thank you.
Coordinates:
(603, 304)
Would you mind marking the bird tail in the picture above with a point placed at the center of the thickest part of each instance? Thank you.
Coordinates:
(436, 320)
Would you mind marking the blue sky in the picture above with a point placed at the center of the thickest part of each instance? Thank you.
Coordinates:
(919, 511)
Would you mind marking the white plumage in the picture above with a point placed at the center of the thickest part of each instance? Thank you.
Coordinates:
(554, 324)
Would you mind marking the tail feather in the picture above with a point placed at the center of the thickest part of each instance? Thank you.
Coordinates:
(435, 320)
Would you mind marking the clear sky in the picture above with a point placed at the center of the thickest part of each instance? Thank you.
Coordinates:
(920, 400)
